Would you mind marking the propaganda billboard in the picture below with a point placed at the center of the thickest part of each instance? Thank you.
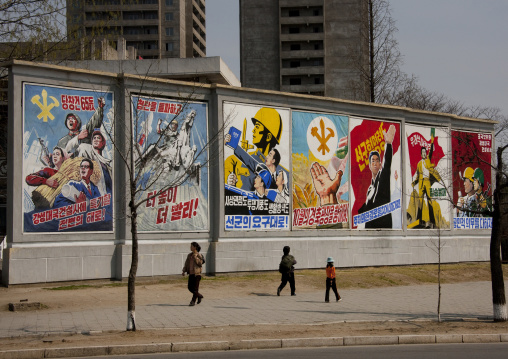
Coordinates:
(67, 159)
(171, 163)
(427, 178)
(375, 174)
(320, 171)
(256, 167)
(472, 180)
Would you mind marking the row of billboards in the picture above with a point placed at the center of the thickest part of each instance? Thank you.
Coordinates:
(284, 169)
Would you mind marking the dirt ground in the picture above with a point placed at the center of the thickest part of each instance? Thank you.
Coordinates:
(105, 294)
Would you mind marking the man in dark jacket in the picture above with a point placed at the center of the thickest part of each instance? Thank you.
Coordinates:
(287, 270)
(378, 192)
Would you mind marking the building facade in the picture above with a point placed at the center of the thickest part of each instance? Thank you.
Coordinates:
(244, 172)
(302, 46)
(156, 28)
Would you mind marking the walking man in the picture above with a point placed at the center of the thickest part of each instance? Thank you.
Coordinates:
(287, 270)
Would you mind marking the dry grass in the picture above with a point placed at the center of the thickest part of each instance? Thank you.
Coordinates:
(365, 277)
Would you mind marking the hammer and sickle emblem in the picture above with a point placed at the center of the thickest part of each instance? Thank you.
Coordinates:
(45, 108)
(323, 138)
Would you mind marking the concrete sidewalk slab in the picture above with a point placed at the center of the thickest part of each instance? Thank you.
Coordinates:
(462, 300)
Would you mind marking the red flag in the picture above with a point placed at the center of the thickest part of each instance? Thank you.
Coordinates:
(415, 142)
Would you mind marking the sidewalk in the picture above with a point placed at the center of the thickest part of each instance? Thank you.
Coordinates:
(463, 300)
(469, 301)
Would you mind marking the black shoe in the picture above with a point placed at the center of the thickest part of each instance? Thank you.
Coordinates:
(191, 304)
(327, 301)
(278, 292)
(199, 299)
(293, 294)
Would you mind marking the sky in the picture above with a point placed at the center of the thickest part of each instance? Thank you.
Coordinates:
(455, 47)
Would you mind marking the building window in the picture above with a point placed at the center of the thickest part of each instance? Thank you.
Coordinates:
(294, 30)
(294, 64)
(169, 31)
(131, 31)
(150, 15)
(169, 46)
(169, 16)
(317, 47)
(131, 15)
(294, 13)
(295, 47)
(317, 80)
(150, 46)
(295, 81)
(169, 2)
(316, 12)
(316, 29)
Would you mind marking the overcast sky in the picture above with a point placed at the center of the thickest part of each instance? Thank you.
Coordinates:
(455, 47)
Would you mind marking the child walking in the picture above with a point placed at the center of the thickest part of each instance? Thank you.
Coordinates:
(330, 281)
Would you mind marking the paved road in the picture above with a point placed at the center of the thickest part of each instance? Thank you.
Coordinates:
(464, 300)
(448, 351)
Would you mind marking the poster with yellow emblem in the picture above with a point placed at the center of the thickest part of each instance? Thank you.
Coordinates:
(67, 159)
(320, 171)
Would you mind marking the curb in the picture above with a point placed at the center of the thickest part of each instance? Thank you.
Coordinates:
(251, 344)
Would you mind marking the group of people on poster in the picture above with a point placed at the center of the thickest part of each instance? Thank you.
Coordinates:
(338, 161)
(68, 180)
(283, 169)
(256, 170)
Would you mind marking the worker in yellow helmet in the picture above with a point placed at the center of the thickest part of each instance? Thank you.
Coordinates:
(267, 129)
(266, 135)
(467, 202)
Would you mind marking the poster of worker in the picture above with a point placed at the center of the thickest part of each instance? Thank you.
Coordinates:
(67, 159)
(427, 178)
(256, 175)
(320, 171)
(375, 173)
(171, 164)
(472, 180)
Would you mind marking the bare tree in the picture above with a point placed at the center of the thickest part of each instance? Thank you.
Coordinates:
(496, 267)
(45, 30)
(167, 163)
(31, 29)
(380, 70)
(436, 245)
(497, 211)
(24, 20)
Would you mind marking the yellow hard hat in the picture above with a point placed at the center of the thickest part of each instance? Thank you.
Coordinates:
(468, 173)
(271, 119)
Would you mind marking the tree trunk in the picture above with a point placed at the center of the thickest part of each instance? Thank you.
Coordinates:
(131, 288)
(504, 226)
(504, 247)
(439, 278)
(371, 53)
(496, 268)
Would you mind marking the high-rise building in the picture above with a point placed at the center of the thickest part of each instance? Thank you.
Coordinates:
(156, 28)
(303, 46)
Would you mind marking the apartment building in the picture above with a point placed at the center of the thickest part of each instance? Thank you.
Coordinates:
(155, 28)
(302, 46)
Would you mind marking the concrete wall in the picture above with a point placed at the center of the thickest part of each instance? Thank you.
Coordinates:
(234, 255)
(44, 257)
